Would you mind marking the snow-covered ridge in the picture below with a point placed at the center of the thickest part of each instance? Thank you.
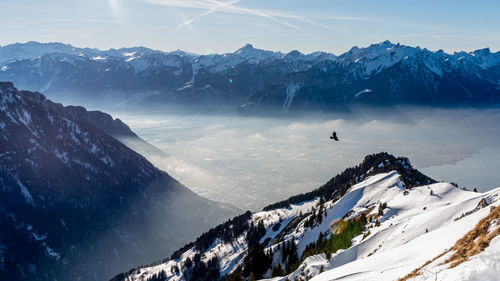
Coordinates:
(257, 78)
(366, 61)
(405, 228)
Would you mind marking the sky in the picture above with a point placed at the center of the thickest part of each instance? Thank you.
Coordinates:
(219, 26)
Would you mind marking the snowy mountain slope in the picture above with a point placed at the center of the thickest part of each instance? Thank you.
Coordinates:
(256, 80)
(473, 257)
(408, 235)
(365, 62)
(413, 229)
(75, 203)
(404, 228)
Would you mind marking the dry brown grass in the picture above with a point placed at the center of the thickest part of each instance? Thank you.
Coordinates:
(474, 242)
(412, 274)
(371, 217)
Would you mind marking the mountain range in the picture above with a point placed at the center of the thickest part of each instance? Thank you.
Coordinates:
(254, 81)
(380, 220)
(78, 204)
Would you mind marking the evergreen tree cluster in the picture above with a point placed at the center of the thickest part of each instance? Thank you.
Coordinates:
(204, 271)
(160, 276)
(227, 231)
(381, 208)
(255, 233)
(257, 262)
(277, 270)
(375, 163)
(175, 270)
(316, 217)
(289, 256)
(235, 276)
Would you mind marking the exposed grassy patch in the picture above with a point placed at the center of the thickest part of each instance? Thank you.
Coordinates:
(475, 241)
(346, 231)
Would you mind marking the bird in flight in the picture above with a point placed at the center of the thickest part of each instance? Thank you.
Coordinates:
(334, 136)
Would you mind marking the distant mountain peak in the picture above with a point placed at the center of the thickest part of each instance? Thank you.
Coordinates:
(245, 49)
(247, 46)
(293, 55)
(387, 42)
(484, 51)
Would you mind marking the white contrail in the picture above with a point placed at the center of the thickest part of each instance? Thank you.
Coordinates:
(215, 7)
(193, 19)
(211, 6)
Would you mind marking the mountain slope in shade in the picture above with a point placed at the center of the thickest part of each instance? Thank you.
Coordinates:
(378, 223)
(113, 127)
(75, 203)
(257, 81)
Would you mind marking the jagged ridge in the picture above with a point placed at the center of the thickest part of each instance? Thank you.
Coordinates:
(372, 164)
(255, 80)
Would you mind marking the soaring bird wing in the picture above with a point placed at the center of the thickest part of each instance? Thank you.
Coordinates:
(334, 136)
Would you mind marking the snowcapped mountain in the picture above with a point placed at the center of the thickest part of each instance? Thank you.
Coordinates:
(254, 80)
(381, 220)
(32, 50)
(215, 63)
(366, 62)
(76, 203)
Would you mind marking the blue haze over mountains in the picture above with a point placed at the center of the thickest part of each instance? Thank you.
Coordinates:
(253, 81)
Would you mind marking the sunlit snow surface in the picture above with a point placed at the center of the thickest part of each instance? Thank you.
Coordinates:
(415, 227)
(251, 162)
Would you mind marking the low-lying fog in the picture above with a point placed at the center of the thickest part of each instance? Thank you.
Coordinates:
(253, 161)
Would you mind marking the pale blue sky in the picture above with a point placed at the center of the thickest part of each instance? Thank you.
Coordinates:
(204, 26)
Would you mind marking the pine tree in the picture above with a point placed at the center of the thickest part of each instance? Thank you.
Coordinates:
(277, 270)
(321, 201)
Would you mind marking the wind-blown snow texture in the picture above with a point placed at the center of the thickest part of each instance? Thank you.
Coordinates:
(417, 225)
(255, 80)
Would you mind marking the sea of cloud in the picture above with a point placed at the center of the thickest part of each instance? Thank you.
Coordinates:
(253, 161)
